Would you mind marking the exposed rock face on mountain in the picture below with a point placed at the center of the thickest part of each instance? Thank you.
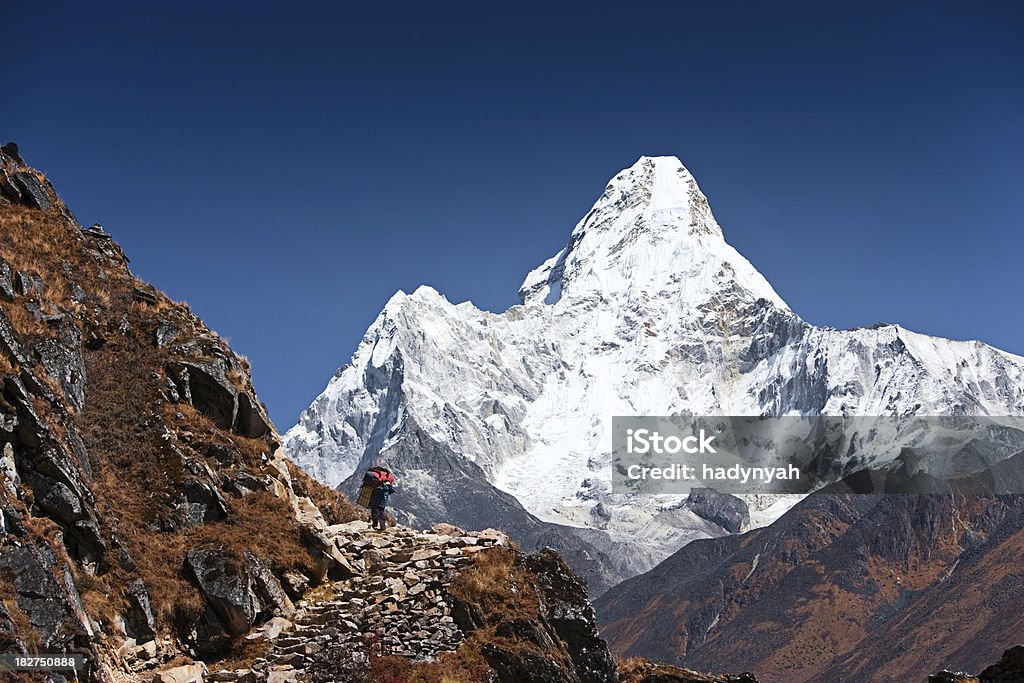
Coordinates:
(842, 587)
(647, 310)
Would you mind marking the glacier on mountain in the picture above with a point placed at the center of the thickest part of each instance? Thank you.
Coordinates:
(647, 310)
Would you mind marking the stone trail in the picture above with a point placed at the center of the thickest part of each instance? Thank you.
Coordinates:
(394, 603)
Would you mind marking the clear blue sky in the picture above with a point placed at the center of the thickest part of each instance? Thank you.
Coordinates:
(285, 168)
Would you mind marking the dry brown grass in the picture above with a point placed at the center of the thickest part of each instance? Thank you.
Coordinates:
(23, 627)
(640, 670)
(496, 584)
(48, 246)
(242, 653)
(450, 667)
(139, 475)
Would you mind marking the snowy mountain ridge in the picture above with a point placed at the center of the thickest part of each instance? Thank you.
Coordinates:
(647, 310)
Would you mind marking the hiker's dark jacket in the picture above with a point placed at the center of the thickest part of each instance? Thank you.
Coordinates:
(381, 494)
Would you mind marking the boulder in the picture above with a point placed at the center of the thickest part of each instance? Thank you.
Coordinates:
(29, 284)
(8, 468)
(140, 616)
(285, 674)
(307, 514)
(62, 359)
(442, 529)
(227, 586)
(244, 483)
(268, 587)
(206, 386)
(166, 332)
(295, 583)
(250, 420)
(198, 503)
(55, 498)
(271, 630)
(728, 512)
(186, 673)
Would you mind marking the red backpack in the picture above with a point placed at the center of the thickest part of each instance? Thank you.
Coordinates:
(376, 476)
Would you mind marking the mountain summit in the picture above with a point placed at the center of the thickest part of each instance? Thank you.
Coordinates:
(505, 419)
(651, 230)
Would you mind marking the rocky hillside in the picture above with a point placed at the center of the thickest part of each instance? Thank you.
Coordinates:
(150, 522)
(136, 458)
(843, 587)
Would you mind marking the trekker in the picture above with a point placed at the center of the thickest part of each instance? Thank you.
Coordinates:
(379, 502)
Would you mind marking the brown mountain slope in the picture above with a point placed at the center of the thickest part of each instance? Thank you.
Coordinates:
(843, 587)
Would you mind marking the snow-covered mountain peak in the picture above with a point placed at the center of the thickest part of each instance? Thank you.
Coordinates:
(646, 311)
(662, 182)
(651, 231)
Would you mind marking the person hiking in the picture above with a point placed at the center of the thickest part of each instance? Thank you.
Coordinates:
(379, 501)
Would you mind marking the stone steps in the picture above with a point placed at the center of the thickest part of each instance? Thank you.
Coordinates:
(397, 605)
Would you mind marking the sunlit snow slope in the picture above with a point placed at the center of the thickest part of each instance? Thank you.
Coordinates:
(647, 310)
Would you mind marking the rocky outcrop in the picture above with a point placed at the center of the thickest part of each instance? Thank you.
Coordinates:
(206, 386)
(565, 645)
(6, 281)
(229, 588)
(728, 512)
(1009, 669)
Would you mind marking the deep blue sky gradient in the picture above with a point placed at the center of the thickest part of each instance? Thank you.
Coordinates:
(285, 167)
